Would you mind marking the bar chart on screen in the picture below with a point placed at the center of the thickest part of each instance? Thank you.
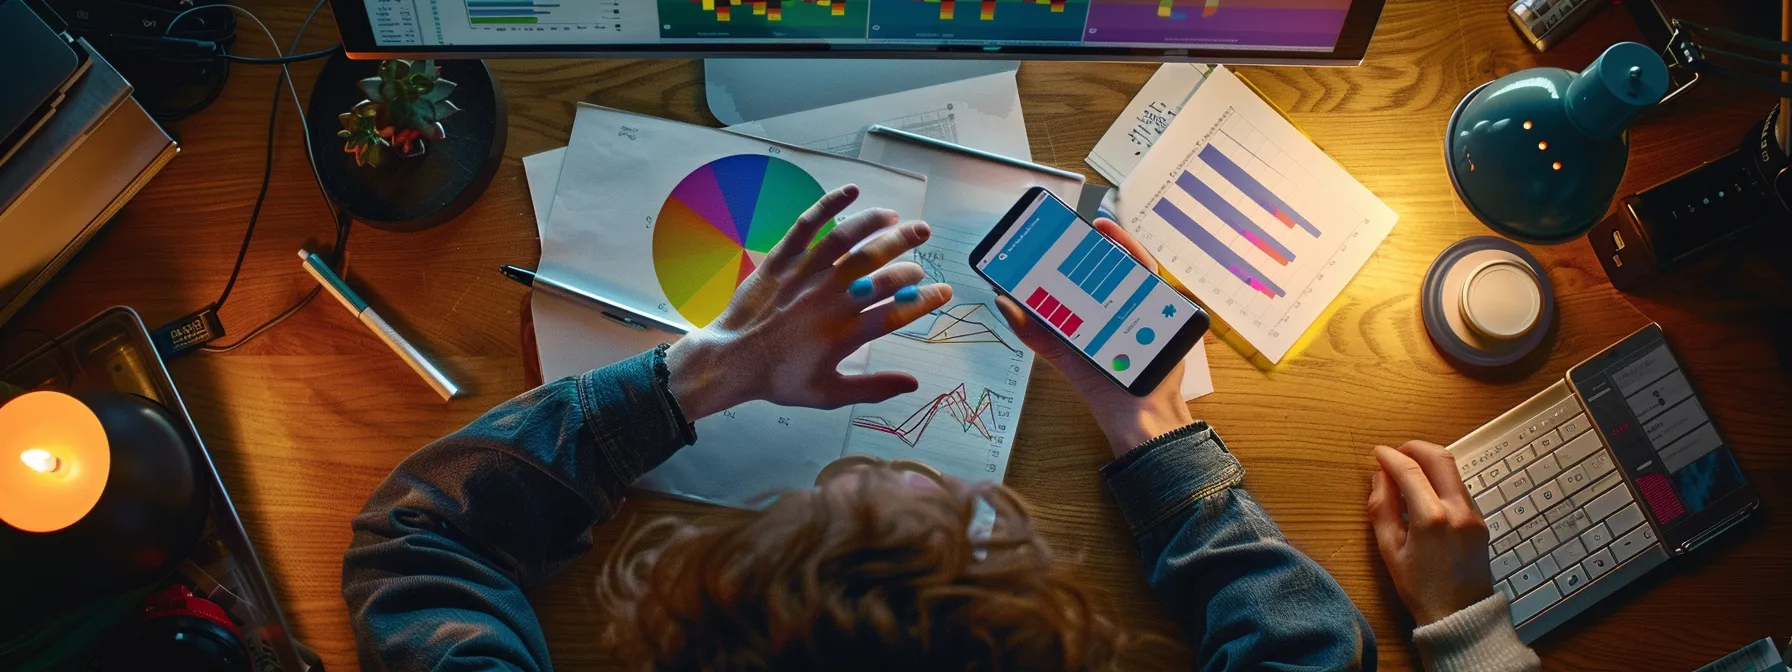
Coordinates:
(1251, 216)
(545, 15)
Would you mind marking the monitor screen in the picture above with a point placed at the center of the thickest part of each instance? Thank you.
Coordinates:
(1319, 31)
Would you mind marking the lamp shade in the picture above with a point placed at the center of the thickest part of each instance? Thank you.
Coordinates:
(1538, 154)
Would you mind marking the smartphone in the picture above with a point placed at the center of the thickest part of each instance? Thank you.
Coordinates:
(1089, 292)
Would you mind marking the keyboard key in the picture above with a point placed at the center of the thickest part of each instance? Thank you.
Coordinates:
(1526, 579)
(1548, 566)
(1573, 480)
(1544, 540)
(1599, 563)
(1547, 495)
(1598, 490)
(1578, 449)
(1507, 589)
(1633, 543)
(1573, 427)
(1571, 526)
(1526, 552)
(1516, 462)
(1474, 485)
(1544, 469)
(1490, 501)
(1525, 607)
(1505, 543)
(1571, 579)
(1608, 503)
(1598, 464)
(1516, 486)
(1494, 472)
(1546, 442)
(1520, 510)
(1624, 519)
(1533, 526)
(1569, 553)
(1496, 524)
(1555, 515)
(1596, 537)
(1568, 407)
(1505, 564)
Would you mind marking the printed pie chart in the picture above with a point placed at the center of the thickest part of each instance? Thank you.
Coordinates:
(718, 224)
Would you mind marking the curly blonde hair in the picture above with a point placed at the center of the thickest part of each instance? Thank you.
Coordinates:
(872, 575)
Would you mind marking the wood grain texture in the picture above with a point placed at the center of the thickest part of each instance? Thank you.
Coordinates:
(308, 419)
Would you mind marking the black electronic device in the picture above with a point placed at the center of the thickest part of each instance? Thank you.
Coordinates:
(1662, 228)
(1089, 292)
(174, 67)
(1648, 412)
(33, 93)
(1334, 32)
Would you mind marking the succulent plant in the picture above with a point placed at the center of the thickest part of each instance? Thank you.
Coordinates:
(406, 103)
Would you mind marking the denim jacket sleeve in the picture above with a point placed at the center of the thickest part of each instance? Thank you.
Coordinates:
(446, 547)
(1247, 599)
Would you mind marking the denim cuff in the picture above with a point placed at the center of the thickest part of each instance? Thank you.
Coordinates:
(1165, 476)
(630, 408)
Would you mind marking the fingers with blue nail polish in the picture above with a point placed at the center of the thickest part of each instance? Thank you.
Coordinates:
(908, 294)
(860, 288)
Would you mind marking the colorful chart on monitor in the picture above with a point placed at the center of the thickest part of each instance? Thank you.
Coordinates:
(718, 224)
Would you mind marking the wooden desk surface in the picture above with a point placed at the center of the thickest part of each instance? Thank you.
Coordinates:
(307, 420)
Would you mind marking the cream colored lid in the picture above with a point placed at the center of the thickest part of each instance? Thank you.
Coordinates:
(1502, 299)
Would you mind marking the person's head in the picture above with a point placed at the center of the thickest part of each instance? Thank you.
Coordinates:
(876, 569)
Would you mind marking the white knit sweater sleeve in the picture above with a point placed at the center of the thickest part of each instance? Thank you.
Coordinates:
(1480, 638)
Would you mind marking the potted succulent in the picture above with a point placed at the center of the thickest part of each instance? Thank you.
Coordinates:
(406, 103)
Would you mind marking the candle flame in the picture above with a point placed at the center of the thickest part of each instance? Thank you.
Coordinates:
(40, 460)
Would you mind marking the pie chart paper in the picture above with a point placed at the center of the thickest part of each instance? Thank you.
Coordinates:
(718, 224)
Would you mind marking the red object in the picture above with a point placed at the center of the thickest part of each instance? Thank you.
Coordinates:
(178, 600)
(1661, 497)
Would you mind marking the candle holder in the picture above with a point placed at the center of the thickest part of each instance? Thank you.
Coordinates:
(99, 492)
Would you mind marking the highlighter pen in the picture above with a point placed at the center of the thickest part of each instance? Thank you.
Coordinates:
(355, 304)
(629, 317)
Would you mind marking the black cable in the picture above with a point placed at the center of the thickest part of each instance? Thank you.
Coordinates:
(283, 60)
(343, 224)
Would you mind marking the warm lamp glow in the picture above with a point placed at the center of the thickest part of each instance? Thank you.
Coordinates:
(40, 460)
(63, 463)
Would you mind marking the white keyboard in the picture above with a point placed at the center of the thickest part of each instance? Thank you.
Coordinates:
(1559, 515)
(1546, 22)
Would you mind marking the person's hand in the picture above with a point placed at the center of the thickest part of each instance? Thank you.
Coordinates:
(1432, 537)
(804, 309)
(1125, 420)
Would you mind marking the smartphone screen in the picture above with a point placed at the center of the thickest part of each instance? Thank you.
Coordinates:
(1090, 291)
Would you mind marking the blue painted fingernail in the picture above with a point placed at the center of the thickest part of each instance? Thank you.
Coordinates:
(909, 294)
(861, 288)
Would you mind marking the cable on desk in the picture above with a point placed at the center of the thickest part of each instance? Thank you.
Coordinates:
(282, 60)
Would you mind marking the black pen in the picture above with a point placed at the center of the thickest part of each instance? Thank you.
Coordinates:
(614, 310)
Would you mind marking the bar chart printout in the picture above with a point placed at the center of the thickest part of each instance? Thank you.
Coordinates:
(1254, 218)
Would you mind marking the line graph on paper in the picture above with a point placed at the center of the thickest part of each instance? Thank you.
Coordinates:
(959, 412)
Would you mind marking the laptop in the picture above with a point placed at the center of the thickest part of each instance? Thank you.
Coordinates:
(1599, 479)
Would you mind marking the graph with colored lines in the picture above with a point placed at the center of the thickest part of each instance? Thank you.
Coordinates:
(1250, 215)
(961, 414)
(780, 19)
(979, 20)
(718, 224)
(961, 324)
(1313, 24)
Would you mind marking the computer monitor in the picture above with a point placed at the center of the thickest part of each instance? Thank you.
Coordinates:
(1226, 31)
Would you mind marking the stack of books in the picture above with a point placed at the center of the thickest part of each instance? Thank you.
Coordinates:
(72, 156)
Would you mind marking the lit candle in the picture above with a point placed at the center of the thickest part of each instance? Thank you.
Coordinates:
(61, 464)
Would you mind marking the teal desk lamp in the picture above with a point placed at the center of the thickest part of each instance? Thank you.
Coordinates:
(1537, 155)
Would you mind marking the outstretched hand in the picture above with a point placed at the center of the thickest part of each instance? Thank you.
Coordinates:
(804, 309)
(1126, 420)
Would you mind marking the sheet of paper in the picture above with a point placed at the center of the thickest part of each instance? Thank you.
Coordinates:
(972, 370)
(980, 112)
(651, 212)
(542, 171)
(1250, 215)
(1145, 118)
(1197, 379)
